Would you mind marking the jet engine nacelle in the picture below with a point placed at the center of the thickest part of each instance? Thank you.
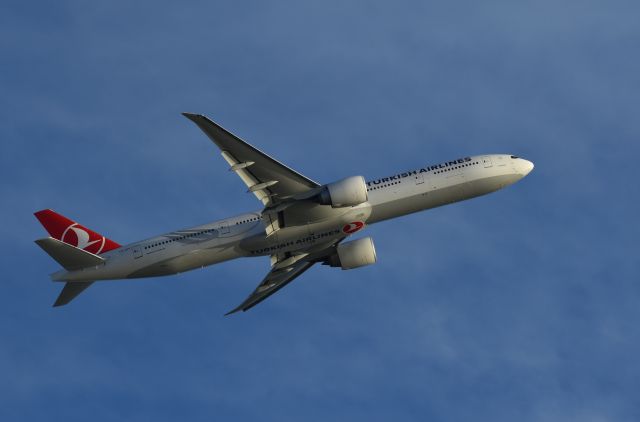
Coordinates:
(344, 193)
(354, 254)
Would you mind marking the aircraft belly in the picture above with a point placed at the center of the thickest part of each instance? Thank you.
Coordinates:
(113, 269)
(490, 184)
(403, 206)
(442, 192)
(191, 260)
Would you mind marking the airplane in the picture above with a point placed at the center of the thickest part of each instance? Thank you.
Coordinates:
(301, 222)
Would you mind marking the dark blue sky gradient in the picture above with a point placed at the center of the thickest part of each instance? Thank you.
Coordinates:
(521, 305)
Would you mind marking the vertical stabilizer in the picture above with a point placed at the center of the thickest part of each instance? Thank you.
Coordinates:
(74, 234)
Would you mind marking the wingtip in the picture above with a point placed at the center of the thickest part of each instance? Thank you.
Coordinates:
(233, 311)
(191, 116)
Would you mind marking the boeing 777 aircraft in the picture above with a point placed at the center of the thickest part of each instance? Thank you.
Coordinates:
(301, 223)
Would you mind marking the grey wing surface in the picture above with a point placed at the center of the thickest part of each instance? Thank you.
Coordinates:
(270, 180)
(285, 269)
(274, 281)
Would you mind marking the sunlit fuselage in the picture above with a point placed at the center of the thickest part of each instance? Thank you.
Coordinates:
(244, 235)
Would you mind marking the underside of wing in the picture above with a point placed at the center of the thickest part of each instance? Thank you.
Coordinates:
(274, 281)
(284, 269)
(267, 178)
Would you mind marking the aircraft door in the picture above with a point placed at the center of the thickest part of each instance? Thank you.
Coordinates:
(424, 183)
(486, 160)
(137, 252)
(223, 229)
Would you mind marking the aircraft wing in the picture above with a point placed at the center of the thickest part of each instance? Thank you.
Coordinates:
(274, 281)
(269, 180)
(285, 269)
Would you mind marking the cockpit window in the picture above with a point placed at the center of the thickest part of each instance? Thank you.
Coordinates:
(514, 156)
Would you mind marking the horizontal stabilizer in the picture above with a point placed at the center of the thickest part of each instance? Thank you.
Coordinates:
(70, 291)
(70, 257)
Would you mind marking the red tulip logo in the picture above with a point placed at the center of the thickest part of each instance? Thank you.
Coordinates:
(353, 227)
(78, 236)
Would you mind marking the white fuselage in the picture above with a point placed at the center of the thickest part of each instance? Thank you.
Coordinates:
(244, 235)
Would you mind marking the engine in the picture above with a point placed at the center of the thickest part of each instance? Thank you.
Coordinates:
(344, 193)
(354, 254)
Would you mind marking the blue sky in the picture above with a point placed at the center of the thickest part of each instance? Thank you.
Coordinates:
(521, 305)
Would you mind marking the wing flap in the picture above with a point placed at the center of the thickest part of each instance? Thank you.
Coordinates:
(240, 169)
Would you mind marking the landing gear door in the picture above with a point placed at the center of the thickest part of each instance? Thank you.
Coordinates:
(486, 161)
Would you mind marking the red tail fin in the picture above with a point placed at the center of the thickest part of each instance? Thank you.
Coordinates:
(61, 228)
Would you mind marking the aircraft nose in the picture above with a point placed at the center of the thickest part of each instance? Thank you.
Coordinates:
(525, 167)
